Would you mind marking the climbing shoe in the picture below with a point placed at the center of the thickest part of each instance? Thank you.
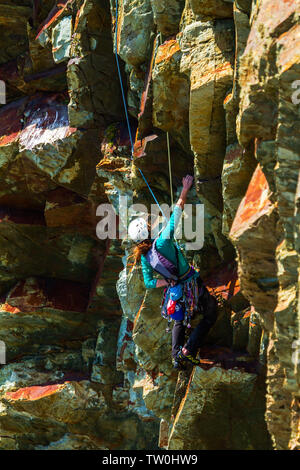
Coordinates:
(178, 365)
(187, 358)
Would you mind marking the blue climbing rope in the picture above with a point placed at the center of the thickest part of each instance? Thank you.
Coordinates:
(120, 78)
(126, 111)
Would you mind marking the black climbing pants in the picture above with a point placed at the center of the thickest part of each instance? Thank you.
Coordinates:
(209, 310)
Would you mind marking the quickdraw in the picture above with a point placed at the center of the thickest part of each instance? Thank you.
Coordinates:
(189, 300)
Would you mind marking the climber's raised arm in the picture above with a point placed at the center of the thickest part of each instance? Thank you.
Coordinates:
(139, 232)
(187, 182)
(167, 234)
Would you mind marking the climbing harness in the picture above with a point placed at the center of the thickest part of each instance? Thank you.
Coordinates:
(161, 264)
(180, 300)
(128, 122)
(187, 302)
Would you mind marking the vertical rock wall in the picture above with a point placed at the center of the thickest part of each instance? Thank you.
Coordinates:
(88, 355)
(60, 315)
(268, 120)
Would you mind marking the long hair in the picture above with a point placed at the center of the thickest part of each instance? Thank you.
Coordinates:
(141, 249)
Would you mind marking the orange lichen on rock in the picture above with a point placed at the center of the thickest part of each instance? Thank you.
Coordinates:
(228, 98)
(9, 308)
(255, 203)
(167, 50)
(198, 78)
(112, 165)
(289, 49)
(54, 14)
(140, 146)
(271, 14)
(224, 282)
(247, 314)
(35, 392)
(138, 315)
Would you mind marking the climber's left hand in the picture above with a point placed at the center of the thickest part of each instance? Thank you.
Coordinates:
(187, 182)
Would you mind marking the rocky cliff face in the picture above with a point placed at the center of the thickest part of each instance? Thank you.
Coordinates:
(87, 354)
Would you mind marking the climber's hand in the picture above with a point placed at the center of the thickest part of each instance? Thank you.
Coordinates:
(187, 182)
(161, 283)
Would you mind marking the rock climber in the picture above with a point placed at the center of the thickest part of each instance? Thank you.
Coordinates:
(163, 256)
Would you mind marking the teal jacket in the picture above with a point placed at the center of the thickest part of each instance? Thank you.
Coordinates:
(165, 245)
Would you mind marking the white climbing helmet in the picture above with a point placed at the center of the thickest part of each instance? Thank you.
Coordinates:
(138, 230)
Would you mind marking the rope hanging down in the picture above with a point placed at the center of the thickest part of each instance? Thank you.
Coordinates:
(120, 78)
(169, 153)
(127, 116)
(170, 169)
